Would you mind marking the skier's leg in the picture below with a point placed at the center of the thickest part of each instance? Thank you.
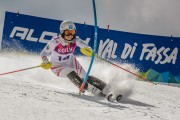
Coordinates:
(75, 72)
(76, 79)
(61, 71)
(77, 67)
(64, 69)
(91, 80)
(96, 82)
(67, 72)
(95, 85)
(81, 72)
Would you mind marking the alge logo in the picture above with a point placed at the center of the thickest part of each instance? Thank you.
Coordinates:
(26, 34)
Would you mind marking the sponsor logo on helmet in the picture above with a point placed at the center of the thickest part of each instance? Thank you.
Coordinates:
(70, 26)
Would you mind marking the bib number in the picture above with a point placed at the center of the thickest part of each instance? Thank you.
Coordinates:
(64, 58)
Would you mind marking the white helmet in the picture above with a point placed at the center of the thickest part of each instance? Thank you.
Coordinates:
(67, 25)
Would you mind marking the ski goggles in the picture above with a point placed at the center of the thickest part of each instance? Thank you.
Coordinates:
(69, 32)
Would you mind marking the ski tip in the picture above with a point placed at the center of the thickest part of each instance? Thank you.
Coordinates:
(119, 97)
(109, 97)
(112, 98)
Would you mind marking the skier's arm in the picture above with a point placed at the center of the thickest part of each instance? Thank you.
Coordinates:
(85, 49)
(81, 44)
(47, 50)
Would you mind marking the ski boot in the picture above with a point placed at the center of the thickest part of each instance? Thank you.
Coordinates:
(95, 91)
(96, 85)
(93, 85)
(96, 82)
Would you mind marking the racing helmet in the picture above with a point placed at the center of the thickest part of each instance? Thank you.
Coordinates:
(68, 28)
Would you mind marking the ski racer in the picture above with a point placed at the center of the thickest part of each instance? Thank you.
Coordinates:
(63, 62)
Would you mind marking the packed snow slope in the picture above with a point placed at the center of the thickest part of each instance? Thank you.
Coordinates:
(38, 94)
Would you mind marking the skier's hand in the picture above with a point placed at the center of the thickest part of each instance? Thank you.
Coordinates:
(86, 51)
(46, 64)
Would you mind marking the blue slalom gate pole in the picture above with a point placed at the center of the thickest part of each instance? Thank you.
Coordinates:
(94, 48)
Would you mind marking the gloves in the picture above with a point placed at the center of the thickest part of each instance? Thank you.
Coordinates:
(87, 51)
(46, 64)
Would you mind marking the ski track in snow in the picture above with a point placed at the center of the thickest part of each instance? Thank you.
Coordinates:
(39, 95)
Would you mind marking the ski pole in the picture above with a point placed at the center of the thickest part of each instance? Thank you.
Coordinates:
(89, 52)
(21, 70)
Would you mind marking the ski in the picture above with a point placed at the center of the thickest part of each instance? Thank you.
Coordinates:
(112, 98)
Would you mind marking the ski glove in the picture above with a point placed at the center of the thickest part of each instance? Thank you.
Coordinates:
(87, 51)
(46, 64)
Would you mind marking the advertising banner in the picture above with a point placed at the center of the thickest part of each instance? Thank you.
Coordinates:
(157, 57)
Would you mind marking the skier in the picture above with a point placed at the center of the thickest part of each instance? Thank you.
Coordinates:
(62, 61)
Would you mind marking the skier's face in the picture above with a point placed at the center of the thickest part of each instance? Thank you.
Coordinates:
(69, 34)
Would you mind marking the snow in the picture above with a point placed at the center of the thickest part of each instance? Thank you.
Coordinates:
(38, 94)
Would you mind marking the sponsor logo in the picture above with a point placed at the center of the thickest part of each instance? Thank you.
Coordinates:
(70, 27)
(27, 34)
(66, 50)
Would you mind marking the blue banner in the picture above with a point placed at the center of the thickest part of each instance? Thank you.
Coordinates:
(156, 56)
